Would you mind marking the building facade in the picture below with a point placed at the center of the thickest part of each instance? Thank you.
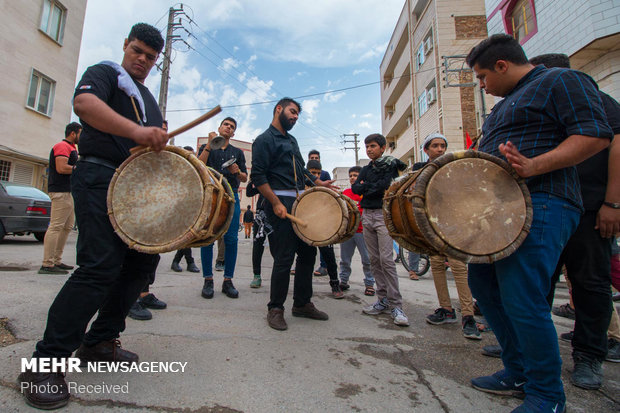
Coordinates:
(586, 30)
(427, 86)
(40, 49)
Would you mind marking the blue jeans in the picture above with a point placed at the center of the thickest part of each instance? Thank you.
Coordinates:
(413, 260)
(230, 241)
(347, 249)
(512, 296)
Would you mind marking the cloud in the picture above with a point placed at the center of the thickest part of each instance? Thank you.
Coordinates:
(333, 97)
(364, 125)
(309, 109)
(360, 71)
(367, 115)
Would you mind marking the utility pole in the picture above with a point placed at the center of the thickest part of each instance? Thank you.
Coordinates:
(354, 142)
(165, 71)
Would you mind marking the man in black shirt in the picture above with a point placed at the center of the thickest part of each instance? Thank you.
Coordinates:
(63, 157)
(248, 219)
(235, 173)
(110, 276)
(278, 172)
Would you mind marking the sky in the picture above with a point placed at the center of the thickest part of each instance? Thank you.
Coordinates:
(239, 53)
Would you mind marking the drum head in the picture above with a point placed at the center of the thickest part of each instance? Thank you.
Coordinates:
(323, 213)
(157, 197)
(475, 206)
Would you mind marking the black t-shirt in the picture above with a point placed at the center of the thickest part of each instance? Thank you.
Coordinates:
(248, 216)
(102, 81)
(61, 182)
(217, 157)
(593, 171)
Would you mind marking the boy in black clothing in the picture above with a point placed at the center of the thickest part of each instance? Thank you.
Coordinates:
(371, 183)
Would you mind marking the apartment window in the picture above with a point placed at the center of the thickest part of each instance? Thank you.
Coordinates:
(422, 104)
(53, 19)
(41, 93)
(521, 20)
(5, 170)
(419, 57)
(427, 98)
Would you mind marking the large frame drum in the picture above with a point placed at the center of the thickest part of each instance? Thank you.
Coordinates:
(160, 202)
(468, 205)
(331, 218)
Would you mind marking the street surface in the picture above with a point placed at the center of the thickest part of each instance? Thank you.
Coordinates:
(235, 362)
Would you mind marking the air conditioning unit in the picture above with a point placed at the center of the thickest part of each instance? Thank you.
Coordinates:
(431, 95)
(409, 121)
(428, 45)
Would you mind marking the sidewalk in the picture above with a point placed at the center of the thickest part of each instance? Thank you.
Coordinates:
(235, 362)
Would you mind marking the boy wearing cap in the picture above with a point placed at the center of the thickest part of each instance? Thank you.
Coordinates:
(434, 146)
(371, 184)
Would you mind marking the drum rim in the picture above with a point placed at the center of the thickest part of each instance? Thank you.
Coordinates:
(423, 222)
(356, 218)
(342, 230)
(181, 241)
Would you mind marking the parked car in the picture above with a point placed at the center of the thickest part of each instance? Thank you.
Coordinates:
(24, 210)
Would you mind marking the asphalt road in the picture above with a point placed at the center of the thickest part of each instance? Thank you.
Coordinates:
(235, 362)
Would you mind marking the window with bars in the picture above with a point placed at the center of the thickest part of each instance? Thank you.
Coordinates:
(5, 170)
(53, 19)
(41, 93)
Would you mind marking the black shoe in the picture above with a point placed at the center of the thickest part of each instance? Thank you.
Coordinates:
(492, 351)
(52, 270)
(150, 301)
(192, 268)
(52, 391)
(568, 337)
(64, 266)
(613, 350)
(344, 286)
(176, 267)
(229, 289)
(138, 312)
(588, 373)
(207, 289)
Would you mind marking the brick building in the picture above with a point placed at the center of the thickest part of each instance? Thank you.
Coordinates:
(427, 86)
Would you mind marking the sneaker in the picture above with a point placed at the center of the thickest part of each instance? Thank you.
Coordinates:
(564, 311)
(256, 282)
(533, 404)
(568, 337)
(470, 328)
(52, 270)
(176, 267)
(229, 289)
(64, 266)
(344, 286)
(381, 306)
(150, 301)
(613, 350)
(219, 266)
(442, 316)
(320, 272)
(500, 383)
(587, 373)
(207, 289)
(400, 319)
(336, 291)
(192, 267)
(139, 312)
(492, 351)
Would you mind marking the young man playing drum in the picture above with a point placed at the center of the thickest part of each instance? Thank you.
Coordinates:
(371, 184)
(109, 276)
(278, 172)
(434, 146)
(548, 121)
(234, 173)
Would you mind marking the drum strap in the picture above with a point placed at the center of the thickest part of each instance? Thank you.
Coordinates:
(295, 174)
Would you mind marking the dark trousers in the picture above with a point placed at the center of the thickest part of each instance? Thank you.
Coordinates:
(258, 247)
(587, 257)
(151, 273)
(185, 252)
(108, 279)
(327, 253)
(284, 243)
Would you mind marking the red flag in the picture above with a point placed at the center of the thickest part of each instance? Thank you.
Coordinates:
(468, 141)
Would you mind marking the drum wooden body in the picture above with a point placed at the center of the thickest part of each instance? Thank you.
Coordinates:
(160, 202)
(468, 205)
(331, 217)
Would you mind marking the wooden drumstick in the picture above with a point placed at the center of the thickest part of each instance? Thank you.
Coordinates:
(296, 220)
(185, 127)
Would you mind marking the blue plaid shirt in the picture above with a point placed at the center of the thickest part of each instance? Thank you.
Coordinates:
(544, 108)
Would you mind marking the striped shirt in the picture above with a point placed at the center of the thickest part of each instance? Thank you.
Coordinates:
(544, 108)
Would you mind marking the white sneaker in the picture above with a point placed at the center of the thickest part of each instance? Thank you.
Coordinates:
(381, 306)
(400, 319)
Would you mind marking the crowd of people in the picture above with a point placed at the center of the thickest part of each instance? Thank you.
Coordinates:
(550, 119)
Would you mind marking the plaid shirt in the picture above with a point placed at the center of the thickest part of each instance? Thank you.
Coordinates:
(544, 108)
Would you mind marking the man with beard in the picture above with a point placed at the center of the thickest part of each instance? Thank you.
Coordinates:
(109, 276)
(278, 172)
